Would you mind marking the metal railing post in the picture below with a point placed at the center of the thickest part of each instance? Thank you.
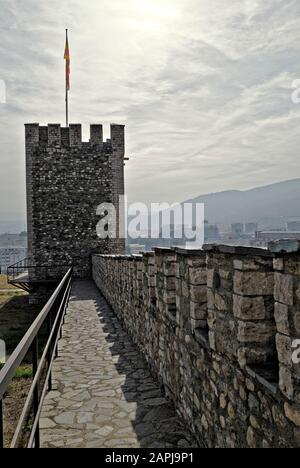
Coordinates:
(49, 354)
(1, 425)
(52, 316)
(35, 363)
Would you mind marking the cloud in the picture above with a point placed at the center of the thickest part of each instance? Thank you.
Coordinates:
(204, 91)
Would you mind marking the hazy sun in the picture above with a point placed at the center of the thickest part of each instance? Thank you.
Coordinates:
(157, 8)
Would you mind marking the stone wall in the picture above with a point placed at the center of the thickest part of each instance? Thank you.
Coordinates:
(216, 327)
(67, 179)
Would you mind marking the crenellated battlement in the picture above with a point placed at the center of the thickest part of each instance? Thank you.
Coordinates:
(56, 136)
(217, 328)
(67, 179)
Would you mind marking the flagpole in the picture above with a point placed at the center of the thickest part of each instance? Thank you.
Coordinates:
(67, 107)
(67, 93)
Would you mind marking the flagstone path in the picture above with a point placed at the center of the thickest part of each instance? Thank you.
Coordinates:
(103, 394)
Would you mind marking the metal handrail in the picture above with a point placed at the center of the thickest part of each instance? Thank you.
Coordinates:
(25, 264)
(35, 272)
(21, 262)
(53, 314)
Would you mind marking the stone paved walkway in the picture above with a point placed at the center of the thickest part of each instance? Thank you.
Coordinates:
(103, 394)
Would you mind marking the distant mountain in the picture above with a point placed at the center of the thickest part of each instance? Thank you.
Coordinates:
(13, 226)
(272, 204)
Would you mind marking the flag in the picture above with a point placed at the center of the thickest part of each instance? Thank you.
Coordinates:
(67, 59)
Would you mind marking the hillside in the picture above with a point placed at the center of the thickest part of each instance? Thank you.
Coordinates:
(269, 204)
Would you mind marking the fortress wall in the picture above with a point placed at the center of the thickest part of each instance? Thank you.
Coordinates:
(216, 327)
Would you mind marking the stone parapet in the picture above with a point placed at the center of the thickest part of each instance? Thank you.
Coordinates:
(216, 327)
(287, 316)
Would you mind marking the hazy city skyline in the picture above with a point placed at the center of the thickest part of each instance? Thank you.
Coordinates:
(204, 89)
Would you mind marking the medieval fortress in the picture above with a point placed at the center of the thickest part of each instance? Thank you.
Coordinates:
(217, 326)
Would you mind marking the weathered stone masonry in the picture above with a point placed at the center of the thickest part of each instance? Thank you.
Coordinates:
(67, 180)
(216, 328)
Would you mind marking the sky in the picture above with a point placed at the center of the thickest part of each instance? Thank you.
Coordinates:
(203, 86)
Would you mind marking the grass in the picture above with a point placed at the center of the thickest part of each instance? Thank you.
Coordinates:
(14, 400)
(8, 291)
(5, 297)
(13, 405)
(24, 372)
(16, 316)
(4, 284)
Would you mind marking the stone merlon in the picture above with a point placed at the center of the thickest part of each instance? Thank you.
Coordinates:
(57, 136)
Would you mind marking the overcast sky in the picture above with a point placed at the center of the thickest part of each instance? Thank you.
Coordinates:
(203, 86)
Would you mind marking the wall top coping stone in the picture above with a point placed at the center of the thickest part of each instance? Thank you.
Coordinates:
(163, 250)
(284, 246)
(148, 254)
(117, 257)
(237, 250)
(178, 250)
(190, 252)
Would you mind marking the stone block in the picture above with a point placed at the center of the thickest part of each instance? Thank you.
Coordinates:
(197, 276)
(75, 135)
(212, 340)
(170, 283)
(196, 324)
(185, 289)
(251, 264)
(253, 283)
(210, 278)
(169, 268)
(211, 318)
(169, 297)
(54, 135)
(198, 311)
(249, 332)
(221, 302)
(249, 308)
(282, 318)
(210, 299)
(284, 289)
(292, 264)
(284, 349)
(278, 264)
(198, 293)
(286, 382)
(296, 320)
(251, 438)
(292, 413)
(249, 354)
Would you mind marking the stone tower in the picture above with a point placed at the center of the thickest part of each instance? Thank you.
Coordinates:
(67, 179)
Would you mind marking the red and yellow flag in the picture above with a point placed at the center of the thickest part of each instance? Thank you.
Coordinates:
(68, 61)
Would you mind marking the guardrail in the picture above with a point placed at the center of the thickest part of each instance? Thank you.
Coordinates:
(26, 271)
(52, 315)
